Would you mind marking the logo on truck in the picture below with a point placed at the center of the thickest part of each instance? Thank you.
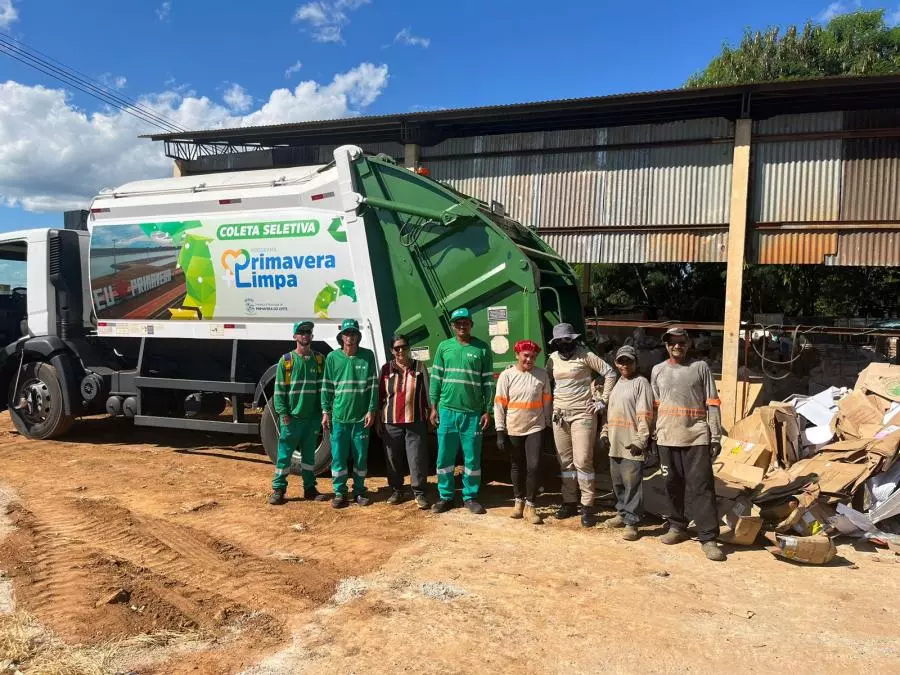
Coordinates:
(264, 270)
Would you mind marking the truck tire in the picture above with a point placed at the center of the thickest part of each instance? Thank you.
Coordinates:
(268, 430)
(42, 414)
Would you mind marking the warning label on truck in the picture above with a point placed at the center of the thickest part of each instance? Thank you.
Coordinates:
(223, 269)
(498, 321)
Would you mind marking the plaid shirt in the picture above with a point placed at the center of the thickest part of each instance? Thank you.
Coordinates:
(403, 396)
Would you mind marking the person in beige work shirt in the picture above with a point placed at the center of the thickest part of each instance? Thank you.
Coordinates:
(521, 413)
(625, 435)
(573, 369)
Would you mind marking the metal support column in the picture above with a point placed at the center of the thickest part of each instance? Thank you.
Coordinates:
(734, 281)
(411, 155)
(586, 269)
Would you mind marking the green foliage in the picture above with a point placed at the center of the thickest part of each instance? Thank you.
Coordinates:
(859, 43)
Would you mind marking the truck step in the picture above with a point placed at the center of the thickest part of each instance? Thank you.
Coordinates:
(245, 428)
(220, 386)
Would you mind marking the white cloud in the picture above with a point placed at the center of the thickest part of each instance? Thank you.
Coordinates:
(164, 10)
(54, 156)
(837, 8)
(237, 98)
(8, 13)
(327, 18)
(291, 70)
(405, 37)
(111, 81)
(893, 19)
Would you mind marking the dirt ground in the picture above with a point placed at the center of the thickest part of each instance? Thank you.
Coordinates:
(161, 543)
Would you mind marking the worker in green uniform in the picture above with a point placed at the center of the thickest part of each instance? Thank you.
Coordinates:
(298, 383)
(461, 395)
(349, 400)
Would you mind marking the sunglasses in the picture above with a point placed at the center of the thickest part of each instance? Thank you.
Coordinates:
(674, 343)
(400, 348)
(304, 332)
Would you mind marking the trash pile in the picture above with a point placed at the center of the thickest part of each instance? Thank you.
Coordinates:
(814, 467)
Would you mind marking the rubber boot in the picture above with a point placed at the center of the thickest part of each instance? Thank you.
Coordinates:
(588, 519)
(518, 509)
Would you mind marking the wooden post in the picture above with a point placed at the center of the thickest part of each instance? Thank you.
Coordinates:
(411, 156)
(734, 281)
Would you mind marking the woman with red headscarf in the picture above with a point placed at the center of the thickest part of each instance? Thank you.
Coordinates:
(522, 410)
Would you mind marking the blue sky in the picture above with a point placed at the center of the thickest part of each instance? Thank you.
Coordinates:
(206, 63)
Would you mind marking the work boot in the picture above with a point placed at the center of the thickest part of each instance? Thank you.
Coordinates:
(313, 495)
(615, 521)
(674, 537)
(518, 509)
(567, 510)
(362, 500)
(531, 515)
(277, 498)
(630, 533)
(442, 506)
(474, 507)
(588, 519)
(339, 502)
(422, 502)
(712, 551)
(395, 497)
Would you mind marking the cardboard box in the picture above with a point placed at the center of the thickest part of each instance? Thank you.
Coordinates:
(882, 379)
(833, 477)
(809, 517)
(742, 521)
(735, 451)
(776, 427)
(818, 550)
(856, 411)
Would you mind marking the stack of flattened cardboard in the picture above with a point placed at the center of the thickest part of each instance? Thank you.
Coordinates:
(767, 477)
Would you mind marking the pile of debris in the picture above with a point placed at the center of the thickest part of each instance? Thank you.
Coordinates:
(814, 467)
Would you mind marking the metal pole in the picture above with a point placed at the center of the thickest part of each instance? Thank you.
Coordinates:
(734, 281)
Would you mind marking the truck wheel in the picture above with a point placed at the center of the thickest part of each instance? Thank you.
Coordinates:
(36, 407)
(268, 430)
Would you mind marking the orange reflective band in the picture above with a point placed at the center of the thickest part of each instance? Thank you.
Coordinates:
(713, 401)
(547, 397)
(682, 412)
(621, 423)
(648, 415)
(526, 405)
(501, 400)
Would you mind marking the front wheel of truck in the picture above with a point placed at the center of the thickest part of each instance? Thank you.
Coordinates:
(269, 431)
(36, 402)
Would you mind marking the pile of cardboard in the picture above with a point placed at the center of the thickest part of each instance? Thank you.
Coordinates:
(816, 466)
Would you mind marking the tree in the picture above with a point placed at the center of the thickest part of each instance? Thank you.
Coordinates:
(859, 43)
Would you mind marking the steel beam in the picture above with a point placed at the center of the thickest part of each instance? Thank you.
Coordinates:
(734, 281)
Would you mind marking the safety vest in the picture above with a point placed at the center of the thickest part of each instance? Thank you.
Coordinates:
(288, 360)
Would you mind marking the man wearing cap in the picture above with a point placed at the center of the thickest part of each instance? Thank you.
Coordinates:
(349, 400)
(298, 383)
(461, 395)
(688, 433)
(625, 436)
(522, 410)
(573, 369)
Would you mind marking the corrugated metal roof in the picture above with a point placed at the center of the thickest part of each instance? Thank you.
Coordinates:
(872, 248)
(797, 181)
(871, 181)
(795, 248)
(687, 247)
(799, 124)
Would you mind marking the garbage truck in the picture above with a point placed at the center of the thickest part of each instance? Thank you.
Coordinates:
(170, 301)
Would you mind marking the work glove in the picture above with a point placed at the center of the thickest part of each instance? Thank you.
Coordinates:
(501, 440)
(635, 449)
(559, 417)
(604, 443)
(714, 449)
(599, 407)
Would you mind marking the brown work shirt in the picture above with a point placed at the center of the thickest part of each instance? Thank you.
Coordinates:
(687, 404)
